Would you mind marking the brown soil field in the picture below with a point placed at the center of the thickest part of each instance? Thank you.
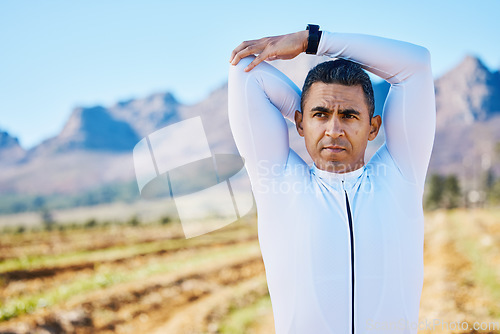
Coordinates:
(150, 279)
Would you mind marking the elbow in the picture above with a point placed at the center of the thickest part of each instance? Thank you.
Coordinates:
(417, 64)
(239, 69)
(421, 58)
(237, 77)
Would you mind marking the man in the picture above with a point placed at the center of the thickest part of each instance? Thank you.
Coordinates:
(342, 241)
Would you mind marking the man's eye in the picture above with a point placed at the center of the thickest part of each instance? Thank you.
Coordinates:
(349, 116)
(319, 114)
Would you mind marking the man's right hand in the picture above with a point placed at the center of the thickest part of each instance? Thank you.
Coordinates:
(271, 48)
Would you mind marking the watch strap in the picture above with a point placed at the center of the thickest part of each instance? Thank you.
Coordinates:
(313, 38)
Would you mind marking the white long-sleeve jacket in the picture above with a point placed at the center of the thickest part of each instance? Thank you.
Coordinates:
(343, 252)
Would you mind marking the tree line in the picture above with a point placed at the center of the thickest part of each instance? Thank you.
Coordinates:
(447, 192)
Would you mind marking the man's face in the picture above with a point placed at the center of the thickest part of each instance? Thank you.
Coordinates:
(336, 126)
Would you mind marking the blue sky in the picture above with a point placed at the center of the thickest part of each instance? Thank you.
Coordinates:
(56, 55)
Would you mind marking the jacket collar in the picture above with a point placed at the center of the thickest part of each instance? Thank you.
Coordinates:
(335, 179)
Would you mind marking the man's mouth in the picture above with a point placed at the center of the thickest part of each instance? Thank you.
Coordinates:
(334, 148)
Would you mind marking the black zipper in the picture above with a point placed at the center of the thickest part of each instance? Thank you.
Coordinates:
(351, 235)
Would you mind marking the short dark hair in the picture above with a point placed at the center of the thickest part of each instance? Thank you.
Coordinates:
(343, 72)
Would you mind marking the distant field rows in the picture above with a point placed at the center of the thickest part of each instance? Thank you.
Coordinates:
(48, 243)
(116, 249)
(146, 211)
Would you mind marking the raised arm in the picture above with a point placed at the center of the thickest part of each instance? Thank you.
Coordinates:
(409, 112)
(258, 102)
(409, 115)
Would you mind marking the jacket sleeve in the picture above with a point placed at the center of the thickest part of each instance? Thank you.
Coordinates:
(258, 102)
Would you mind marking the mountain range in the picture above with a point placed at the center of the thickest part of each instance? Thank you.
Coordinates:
(95, 146)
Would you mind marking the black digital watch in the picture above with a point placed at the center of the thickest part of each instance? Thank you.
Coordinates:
(313, 38)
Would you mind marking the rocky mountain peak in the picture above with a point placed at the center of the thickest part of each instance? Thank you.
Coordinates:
(10, 149)
(92, 128)
(147, 114)
(468, 73)
(469, 92)
(472, 65)
(6, 140)
(158, 99)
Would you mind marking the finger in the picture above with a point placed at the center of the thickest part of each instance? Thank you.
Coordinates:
(239, 48)
(235, 51)
(249, 50)
(259, 59)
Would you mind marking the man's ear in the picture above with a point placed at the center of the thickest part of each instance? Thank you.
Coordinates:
(298, 123)
(376, 122)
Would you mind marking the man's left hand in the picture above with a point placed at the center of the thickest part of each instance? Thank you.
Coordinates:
(271, 48)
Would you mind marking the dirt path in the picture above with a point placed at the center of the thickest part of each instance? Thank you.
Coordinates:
(203, 316)
(264, 325)
(452, 300)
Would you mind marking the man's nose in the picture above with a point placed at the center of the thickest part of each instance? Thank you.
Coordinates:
(334, 128)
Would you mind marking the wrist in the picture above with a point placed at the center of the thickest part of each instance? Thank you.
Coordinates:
(304, 35)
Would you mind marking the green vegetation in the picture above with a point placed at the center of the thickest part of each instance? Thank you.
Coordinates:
(443, 192)
(49, 224)
(239, 320)
(47, 219)
(482, 271)
(486, 275)
(493, 192)
(91, 223)
(116, 192)
(165, 220)
(134, 221)
(446, 192)
(105, 278)
(111, 253)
